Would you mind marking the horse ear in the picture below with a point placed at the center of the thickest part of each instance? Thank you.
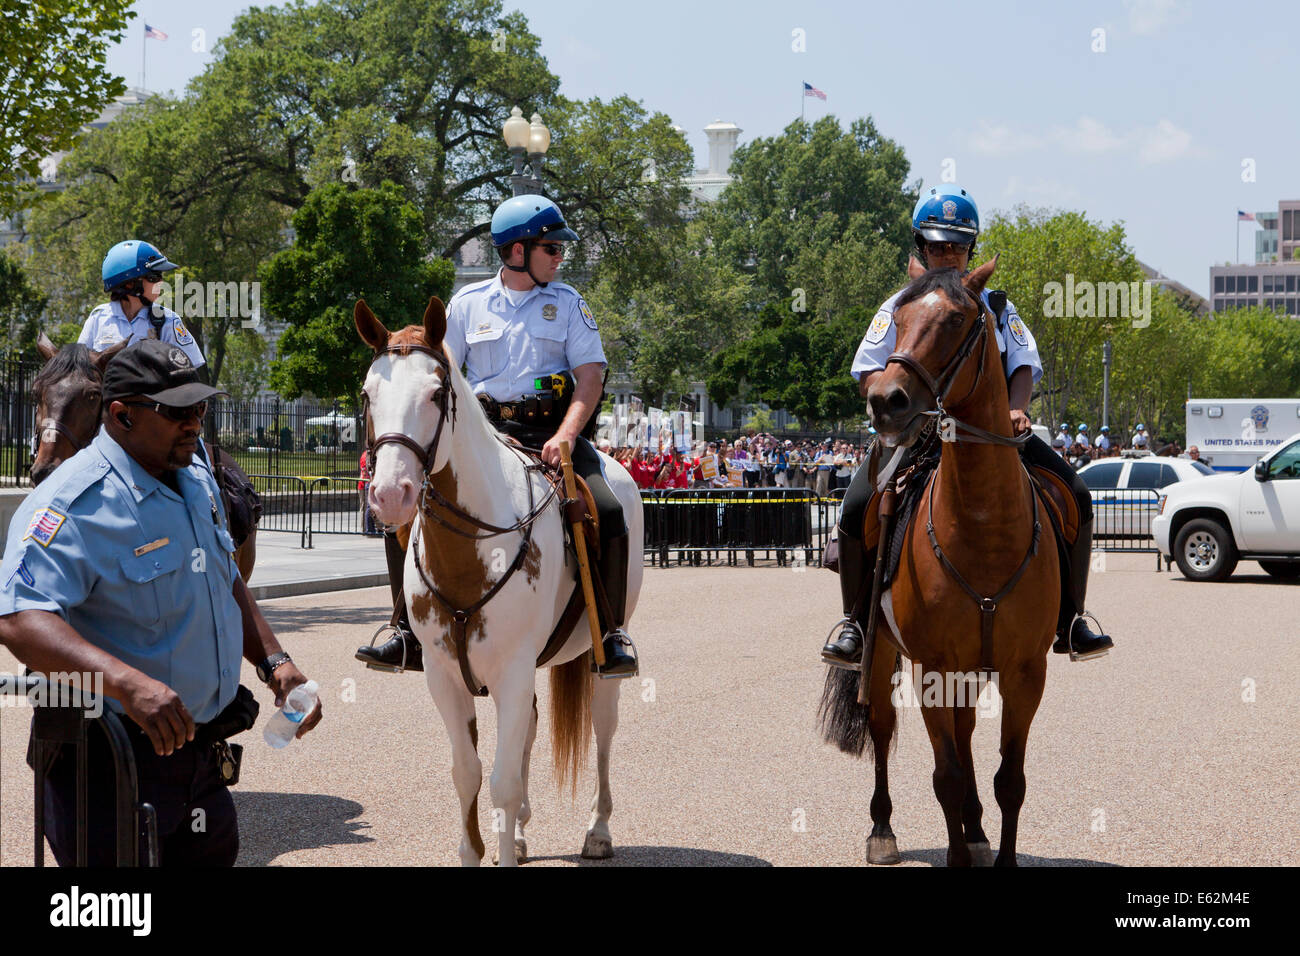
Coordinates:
(370, 329)
(101, 359)
(435, 322)
(975, 280)
(47, 348)
(914, 268)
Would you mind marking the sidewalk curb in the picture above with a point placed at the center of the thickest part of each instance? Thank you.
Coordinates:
(266, 592)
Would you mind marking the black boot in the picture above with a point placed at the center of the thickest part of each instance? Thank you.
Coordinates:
(402, 651)
(1073, 636)
(844, 649)
(620, 652)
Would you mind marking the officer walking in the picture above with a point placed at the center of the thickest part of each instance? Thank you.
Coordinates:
(120, 564)
(132, 273)
(945, 225)
(513, 332)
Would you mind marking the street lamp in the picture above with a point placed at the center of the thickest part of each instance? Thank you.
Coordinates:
(526, 138)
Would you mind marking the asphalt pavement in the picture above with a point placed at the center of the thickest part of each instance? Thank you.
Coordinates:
(1176, 749)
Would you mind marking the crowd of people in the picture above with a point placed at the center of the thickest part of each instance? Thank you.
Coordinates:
(1082, 449)
(758, 461)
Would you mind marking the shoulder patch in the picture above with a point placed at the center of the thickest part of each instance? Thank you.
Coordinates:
(45, 524)
(879, 326)
(182, 334)
(1017, 330)
(588, 319)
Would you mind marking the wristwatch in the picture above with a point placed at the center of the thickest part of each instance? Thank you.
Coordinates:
(268, 666)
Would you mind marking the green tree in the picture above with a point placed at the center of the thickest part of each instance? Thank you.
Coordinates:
(21, 306)
(351, 244)
(819, 218)
(245, 370)
(52, 80)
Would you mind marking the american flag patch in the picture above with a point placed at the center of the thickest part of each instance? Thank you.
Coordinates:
(44, 526)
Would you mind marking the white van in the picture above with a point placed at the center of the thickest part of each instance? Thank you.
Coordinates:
(1234, 433)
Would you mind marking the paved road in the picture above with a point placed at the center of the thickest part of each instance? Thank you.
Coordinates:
(1148, 757)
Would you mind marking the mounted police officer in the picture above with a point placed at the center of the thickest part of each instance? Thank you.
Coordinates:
(533, 356)
(945, 225)
(132, 273)
(120, 564)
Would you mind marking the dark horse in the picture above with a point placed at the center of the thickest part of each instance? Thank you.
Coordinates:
(974, 596)
(68, 408)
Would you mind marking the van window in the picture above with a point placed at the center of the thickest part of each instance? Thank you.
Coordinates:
(1102, 477)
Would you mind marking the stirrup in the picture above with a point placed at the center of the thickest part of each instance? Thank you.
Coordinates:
(1069, 639)
(386, 668)
(844, 624)
(622, 637)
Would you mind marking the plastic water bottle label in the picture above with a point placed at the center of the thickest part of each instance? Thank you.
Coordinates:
(295, 715)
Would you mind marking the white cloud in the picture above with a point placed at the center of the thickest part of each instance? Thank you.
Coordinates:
(1164, 142)
(1148, 16)
(1089, 135)
(1041, 192)
(1001, 140)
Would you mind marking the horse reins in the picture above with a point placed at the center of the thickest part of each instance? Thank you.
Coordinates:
(524, 526)
(939, 388)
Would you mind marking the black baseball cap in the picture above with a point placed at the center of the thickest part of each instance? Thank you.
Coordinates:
(158, 371)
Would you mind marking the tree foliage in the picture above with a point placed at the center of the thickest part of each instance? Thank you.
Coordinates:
(351, 244)
(819, 219)
(52, 80)
(21, 306)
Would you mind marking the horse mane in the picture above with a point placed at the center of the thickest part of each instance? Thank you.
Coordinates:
(70, 360)
(947, 281)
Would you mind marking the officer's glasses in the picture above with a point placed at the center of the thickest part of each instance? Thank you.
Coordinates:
(552, 248)
(946, 248)
(153, 277)
(184, 414)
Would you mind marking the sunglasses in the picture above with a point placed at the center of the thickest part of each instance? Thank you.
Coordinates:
(947, 248)
(197, 410)
(551, 248)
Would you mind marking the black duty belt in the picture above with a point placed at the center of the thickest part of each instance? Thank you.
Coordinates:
(538, 411)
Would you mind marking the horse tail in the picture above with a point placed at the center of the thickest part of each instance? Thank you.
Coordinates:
(570, 719)
(843, 721)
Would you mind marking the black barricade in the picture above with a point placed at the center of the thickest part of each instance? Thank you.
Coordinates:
(1122, 520)
(285, 505)
(703, 523)
(62, 720)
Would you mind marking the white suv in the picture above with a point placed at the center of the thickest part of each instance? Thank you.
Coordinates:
(1209, 525)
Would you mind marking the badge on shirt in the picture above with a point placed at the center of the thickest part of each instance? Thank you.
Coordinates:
(879, 326)
(588, 319)
(182, 334)
(44, 526)
(1018, 331)
(549, 312)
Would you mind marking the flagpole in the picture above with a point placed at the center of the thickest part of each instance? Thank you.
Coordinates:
(1238, 240)
(803, 99)
(144, 49)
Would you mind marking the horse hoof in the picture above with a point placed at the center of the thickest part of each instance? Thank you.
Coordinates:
(597, 847)
(981, 854)
(883, 850)
(521, 851)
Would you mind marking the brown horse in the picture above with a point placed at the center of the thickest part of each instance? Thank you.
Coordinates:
(970, 561)
(69, 403)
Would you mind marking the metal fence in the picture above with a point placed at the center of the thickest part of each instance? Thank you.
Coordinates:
(1121, 520)
(18, 422)
(272, 437)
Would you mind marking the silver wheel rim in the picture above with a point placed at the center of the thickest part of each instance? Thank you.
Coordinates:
(1201, 551)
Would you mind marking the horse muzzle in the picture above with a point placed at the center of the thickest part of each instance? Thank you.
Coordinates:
(896, 415)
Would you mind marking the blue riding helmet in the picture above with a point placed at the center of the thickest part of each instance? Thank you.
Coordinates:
(946, 214)
(529, 217)
(1141, 427)
(1064, 427)
(1083, 426)
(1105, 428)
(130, 260)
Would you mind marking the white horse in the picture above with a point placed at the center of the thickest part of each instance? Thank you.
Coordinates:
(482, 519)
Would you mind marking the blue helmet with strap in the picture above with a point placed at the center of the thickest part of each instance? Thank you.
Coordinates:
(945, 213)
(1083, 426)
(130, 260)
(529, 217)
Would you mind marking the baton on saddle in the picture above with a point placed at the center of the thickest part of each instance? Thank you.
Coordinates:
(873, 613)
(580, 545)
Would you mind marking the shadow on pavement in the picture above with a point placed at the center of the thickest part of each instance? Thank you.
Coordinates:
(663, 856)
(939, 857)
(271, 824)
(300, 618)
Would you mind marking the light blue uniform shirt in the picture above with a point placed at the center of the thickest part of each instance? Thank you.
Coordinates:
(107, 325)
(87, 545)
(1015, 341)
(504, 346)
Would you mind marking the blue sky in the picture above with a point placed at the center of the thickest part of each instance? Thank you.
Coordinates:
(1152, 131)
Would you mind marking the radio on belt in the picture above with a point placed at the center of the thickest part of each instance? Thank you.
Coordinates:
(554, 383)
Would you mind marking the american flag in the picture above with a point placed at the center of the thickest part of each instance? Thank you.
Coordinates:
(153, 33)
(810, 90)
(1244, 216)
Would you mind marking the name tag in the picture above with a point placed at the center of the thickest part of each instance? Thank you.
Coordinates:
(151, 546)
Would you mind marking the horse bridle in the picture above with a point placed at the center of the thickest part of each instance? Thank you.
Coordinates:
(939, 387)
(446, 401)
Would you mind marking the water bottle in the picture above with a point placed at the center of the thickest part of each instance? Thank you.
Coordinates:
(284, 722)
